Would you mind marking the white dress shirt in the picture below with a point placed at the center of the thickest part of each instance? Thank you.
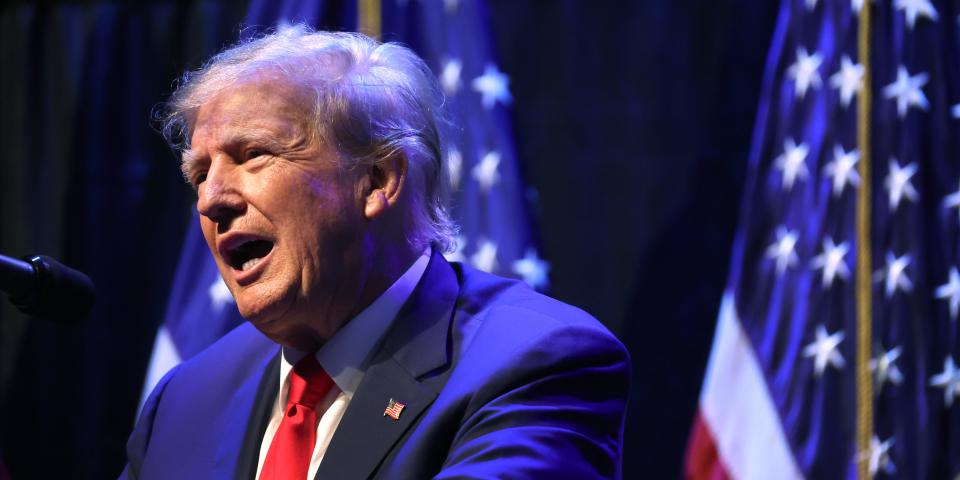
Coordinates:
(344, 357)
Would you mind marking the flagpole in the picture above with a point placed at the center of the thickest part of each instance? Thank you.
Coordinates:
(368, 18)
(864, 252)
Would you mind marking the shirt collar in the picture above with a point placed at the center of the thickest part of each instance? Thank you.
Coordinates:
(345, 356)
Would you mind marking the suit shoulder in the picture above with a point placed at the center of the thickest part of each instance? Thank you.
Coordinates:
(234, 357)
(494, 306)
(537, 388)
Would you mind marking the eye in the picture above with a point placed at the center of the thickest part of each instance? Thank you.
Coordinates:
(198, 178)
(256, 152)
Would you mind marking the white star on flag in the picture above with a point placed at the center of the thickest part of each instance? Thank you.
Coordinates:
(955, 111)
(849, 79)
(783, 249)
(454, 167)
(485, 172)
(950, 292)
(885, 368)
(804, 71)
(913, 8)
(450, 76)
(485, 258)
(459, 243)
(831, 261)
(948, 380)
(492, 85)
(811, 4)
(533, 269)
(878, 456)
(952, 200)
(792, 162)
(824, 350)
(907, 90)
(219, 294)
(898, 183)
(450, 6)
(895, 275)
(842, 169)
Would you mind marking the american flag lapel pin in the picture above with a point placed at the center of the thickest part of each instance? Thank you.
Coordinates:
(394, 409)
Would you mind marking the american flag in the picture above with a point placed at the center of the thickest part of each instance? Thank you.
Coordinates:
(779, 399)
(393, 410)
(486, 190)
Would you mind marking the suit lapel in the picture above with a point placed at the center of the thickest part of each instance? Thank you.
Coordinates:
(258, 417)
(365, 433)
(416, 347)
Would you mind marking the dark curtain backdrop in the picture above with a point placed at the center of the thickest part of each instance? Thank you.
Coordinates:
(632, 120)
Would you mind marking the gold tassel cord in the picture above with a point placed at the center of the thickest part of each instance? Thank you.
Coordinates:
(368, 18)
(864, 259)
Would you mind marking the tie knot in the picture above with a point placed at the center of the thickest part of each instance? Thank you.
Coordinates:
(308, 382)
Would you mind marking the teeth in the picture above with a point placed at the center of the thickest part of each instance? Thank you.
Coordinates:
(249, 264)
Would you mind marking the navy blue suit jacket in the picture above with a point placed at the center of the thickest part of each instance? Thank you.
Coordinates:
(498, 381)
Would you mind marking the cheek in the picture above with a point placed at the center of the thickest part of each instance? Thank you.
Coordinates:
(316, 209)
(293, 193)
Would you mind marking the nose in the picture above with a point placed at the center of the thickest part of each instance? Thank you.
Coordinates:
(219, 197)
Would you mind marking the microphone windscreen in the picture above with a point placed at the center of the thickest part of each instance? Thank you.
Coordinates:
(62, 294)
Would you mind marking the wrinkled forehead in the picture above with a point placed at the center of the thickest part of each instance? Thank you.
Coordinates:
(248, 100)
(269, 106)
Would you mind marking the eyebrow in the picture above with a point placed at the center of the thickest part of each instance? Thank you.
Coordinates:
(190, 157)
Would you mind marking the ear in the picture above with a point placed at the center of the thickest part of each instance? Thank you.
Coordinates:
(385, 182)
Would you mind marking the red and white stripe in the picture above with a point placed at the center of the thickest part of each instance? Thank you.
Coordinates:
(737, 433)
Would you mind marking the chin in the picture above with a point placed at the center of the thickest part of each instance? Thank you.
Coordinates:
(273, 328)
(274, 318)
(266, 296)
(288, 334)
(260, 310)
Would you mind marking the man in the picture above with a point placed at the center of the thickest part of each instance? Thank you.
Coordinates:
(316, 161)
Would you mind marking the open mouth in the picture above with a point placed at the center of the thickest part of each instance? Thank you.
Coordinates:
(248, 254)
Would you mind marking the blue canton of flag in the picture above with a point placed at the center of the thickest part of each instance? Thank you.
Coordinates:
(486, 189)
(779, 398)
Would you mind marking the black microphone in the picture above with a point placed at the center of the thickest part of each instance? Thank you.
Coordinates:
(43, 287)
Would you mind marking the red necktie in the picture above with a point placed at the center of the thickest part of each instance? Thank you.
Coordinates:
(292, 447)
